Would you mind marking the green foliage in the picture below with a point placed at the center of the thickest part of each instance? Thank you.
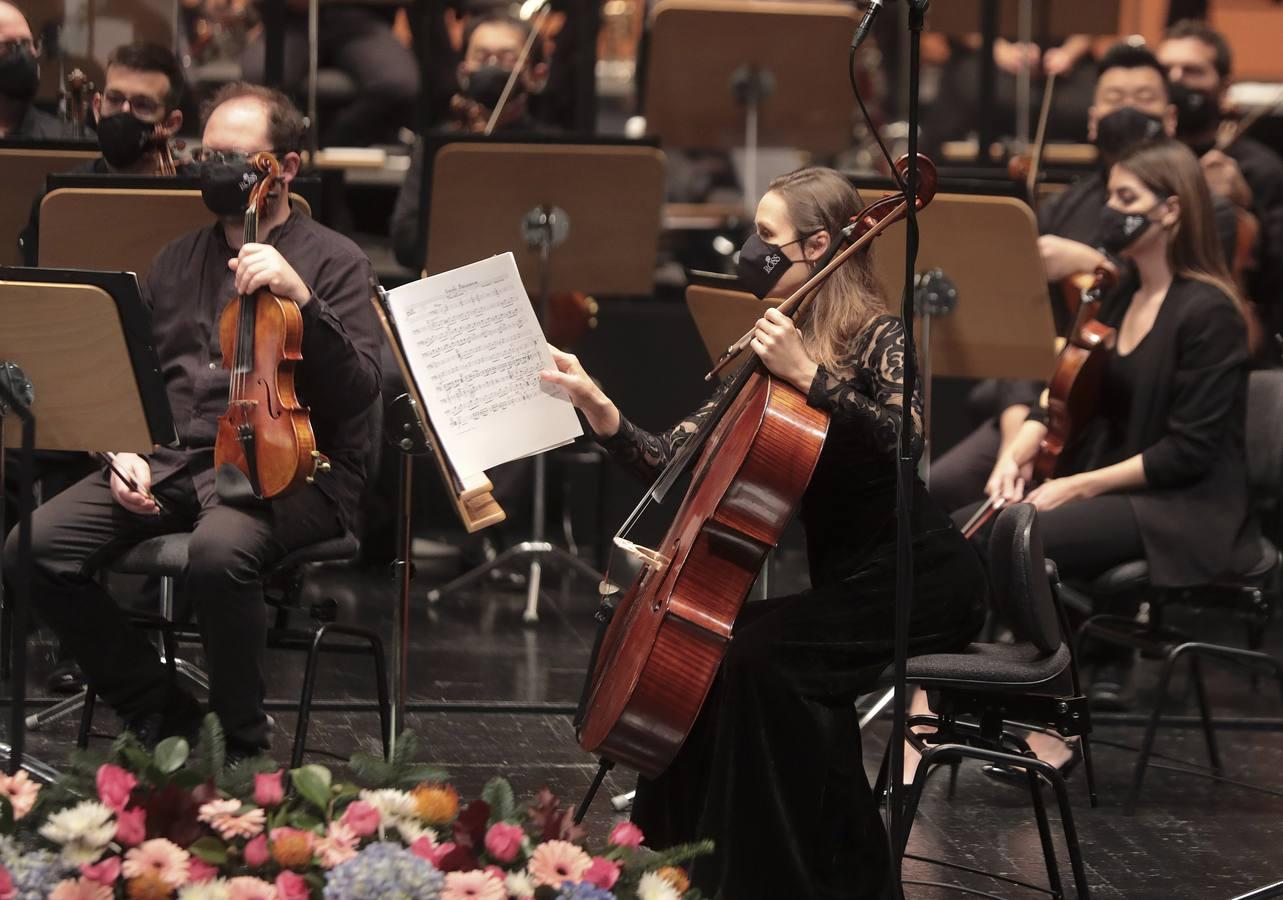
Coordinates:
(498, 795)
(209, 756)
(170, 755)
(402, 771)
(313, 785)
(675, 856)
(238, 780)
(210, 849)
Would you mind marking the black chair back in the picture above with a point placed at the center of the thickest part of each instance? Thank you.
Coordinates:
(1018, 569)
(1264, 432)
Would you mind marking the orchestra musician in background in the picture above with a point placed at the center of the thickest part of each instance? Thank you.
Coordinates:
(357, 38)
(19, 79)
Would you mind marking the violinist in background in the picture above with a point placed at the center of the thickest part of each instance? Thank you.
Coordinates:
(1199, 66)
(771, 771)
(137, 112)
(1161, 472)
(91, 523)
(19, 79)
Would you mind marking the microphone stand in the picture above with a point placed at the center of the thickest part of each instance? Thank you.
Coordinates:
(906, 464)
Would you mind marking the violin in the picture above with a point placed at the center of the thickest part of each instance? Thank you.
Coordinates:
(164, 148)
(77, 90)
(1074, 390)
(750, 462)
(266, 434)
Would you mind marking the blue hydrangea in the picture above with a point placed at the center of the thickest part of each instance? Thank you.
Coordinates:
(384, 871)
(584, 891)
(32, 871)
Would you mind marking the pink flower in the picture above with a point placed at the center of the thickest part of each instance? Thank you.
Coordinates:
(626, 834)
(224, 816)
(131, 826)
(105, 872)
(114, 786)
(256, 852)
(268, 790)
(81, 889)
(474, 885)
(556, 861)
(7, 891)
(291, 887)
(21, 791)
(246, 888)
(200, 871)
(602, 872)
(503, 841)
(362, 818)
(338, 845)
(160, 857)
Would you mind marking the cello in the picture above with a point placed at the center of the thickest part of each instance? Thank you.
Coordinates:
(750, 462)
(266, 434)
(1074, 389)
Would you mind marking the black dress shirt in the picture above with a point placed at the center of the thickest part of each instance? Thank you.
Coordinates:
(38, 125)
(187, 288)
(1263, 171)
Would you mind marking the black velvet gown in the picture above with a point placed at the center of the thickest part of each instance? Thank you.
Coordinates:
(772, 771)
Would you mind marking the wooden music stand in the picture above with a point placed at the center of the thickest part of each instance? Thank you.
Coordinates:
(724, 74)
(143, 221)
(112, 399)
(22, 172)
(597, 206)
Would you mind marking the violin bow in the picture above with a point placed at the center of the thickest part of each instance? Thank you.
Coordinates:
(535, 31)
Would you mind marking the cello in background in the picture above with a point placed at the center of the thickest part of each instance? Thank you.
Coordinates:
(266, 434)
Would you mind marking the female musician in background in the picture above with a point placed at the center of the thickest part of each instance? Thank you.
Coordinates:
(772, 769)
(1161, 473)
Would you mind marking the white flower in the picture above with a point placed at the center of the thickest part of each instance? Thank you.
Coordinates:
(214, 889)
(412, 829)
(652, 887)
(84, 831)
(392, 805)
(518, 884)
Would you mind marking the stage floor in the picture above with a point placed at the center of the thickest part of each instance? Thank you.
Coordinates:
(1190, 838)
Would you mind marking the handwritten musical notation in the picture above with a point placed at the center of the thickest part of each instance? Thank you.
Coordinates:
(475, 350)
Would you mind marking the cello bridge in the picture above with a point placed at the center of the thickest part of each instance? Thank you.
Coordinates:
(652, 558)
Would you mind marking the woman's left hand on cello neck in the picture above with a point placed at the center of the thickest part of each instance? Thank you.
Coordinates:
(779, 345)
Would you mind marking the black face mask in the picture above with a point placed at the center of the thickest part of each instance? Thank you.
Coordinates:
(761, 265)
(1121, 129)
(19, 75)
(1197, 112)
(225, 186)
(123, 139)
(486, 85)
(1119, 230)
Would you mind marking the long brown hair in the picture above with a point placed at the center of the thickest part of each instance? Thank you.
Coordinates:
(819, 199)
(1169, 169)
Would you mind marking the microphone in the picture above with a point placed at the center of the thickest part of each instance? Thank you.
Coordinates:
(870, 15)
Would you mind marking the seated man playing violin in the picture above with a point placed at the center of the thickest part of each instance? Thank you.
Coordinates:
(87, 526)
(136, 113)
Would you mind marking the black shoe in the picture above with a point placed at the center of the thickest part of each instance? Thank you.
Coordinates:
(1110, 689)
(66, 678)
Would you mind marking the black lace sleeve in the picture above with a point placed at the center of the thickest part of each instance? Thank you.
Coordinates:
(866, 391)
(645, 453)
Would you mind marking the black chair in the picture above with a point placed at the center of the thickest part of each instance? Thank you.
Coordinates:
(166, 557)
(979, 694)
(1250, 601)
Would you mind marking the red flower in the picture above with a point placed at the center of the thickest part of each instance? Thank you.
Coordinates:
(105, 872)
(256, 852)
(268, 790)
(503, 841)
(114, 786)
(198, 871)
(290, 886)
(470, 827)
(7, 891)
(602, 872)
(362, 818)
(626, 834)
(456, 859)
(131, 826)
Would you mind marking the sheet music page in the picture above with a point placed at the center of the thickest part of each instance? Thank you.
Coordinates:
(474, 346)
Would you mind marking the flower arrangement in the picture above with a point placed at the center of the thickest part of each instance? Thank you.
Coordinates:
(178, 824)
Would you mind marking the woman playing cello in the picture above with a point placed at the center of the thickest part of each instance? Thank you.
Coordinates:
(771, 771)
(1160, 474)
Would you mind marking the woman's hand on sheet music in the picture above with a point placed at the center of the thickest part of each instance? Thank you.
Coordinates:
(780, 347)
(601, 413)
(136, 501)
(262, 266)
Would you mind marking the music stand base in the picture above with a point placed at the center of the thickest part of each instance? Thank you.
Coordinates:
(40, 770)
(533, 554)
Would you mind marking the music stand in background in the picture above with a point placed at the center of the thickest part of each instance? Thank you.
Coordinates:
(112, 399)
(23, 167)
(577, 218)
(982, 292)
(723, 74)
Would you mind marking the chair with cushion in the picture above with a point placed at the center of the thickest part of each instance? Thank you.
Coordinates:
(1249, 600)
(978, 694)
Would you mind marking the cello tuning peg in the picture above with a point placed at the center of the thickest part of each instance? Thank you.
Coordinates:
(323, 466)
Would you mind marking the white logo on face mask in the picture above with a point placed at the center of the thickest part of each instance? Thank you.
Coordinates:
(771, 262)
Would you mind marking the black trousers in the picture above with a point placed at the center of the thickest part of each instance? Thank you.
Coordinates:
(361, 43)
(83, 529)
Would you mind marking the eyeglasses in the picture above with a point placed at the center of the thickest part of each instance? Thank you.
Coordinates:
(230, 157)
(9, 47)
(505, 59)
(141, 105)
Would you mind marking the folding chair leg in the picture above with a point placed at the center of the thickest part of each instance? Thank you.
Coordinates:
(1209, 730)
(1071, 831)
(309, 687)
(914, 796)
(1151, 731)
(1089, 769)
(86, 717)
(305, 699)
(1044, 834)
